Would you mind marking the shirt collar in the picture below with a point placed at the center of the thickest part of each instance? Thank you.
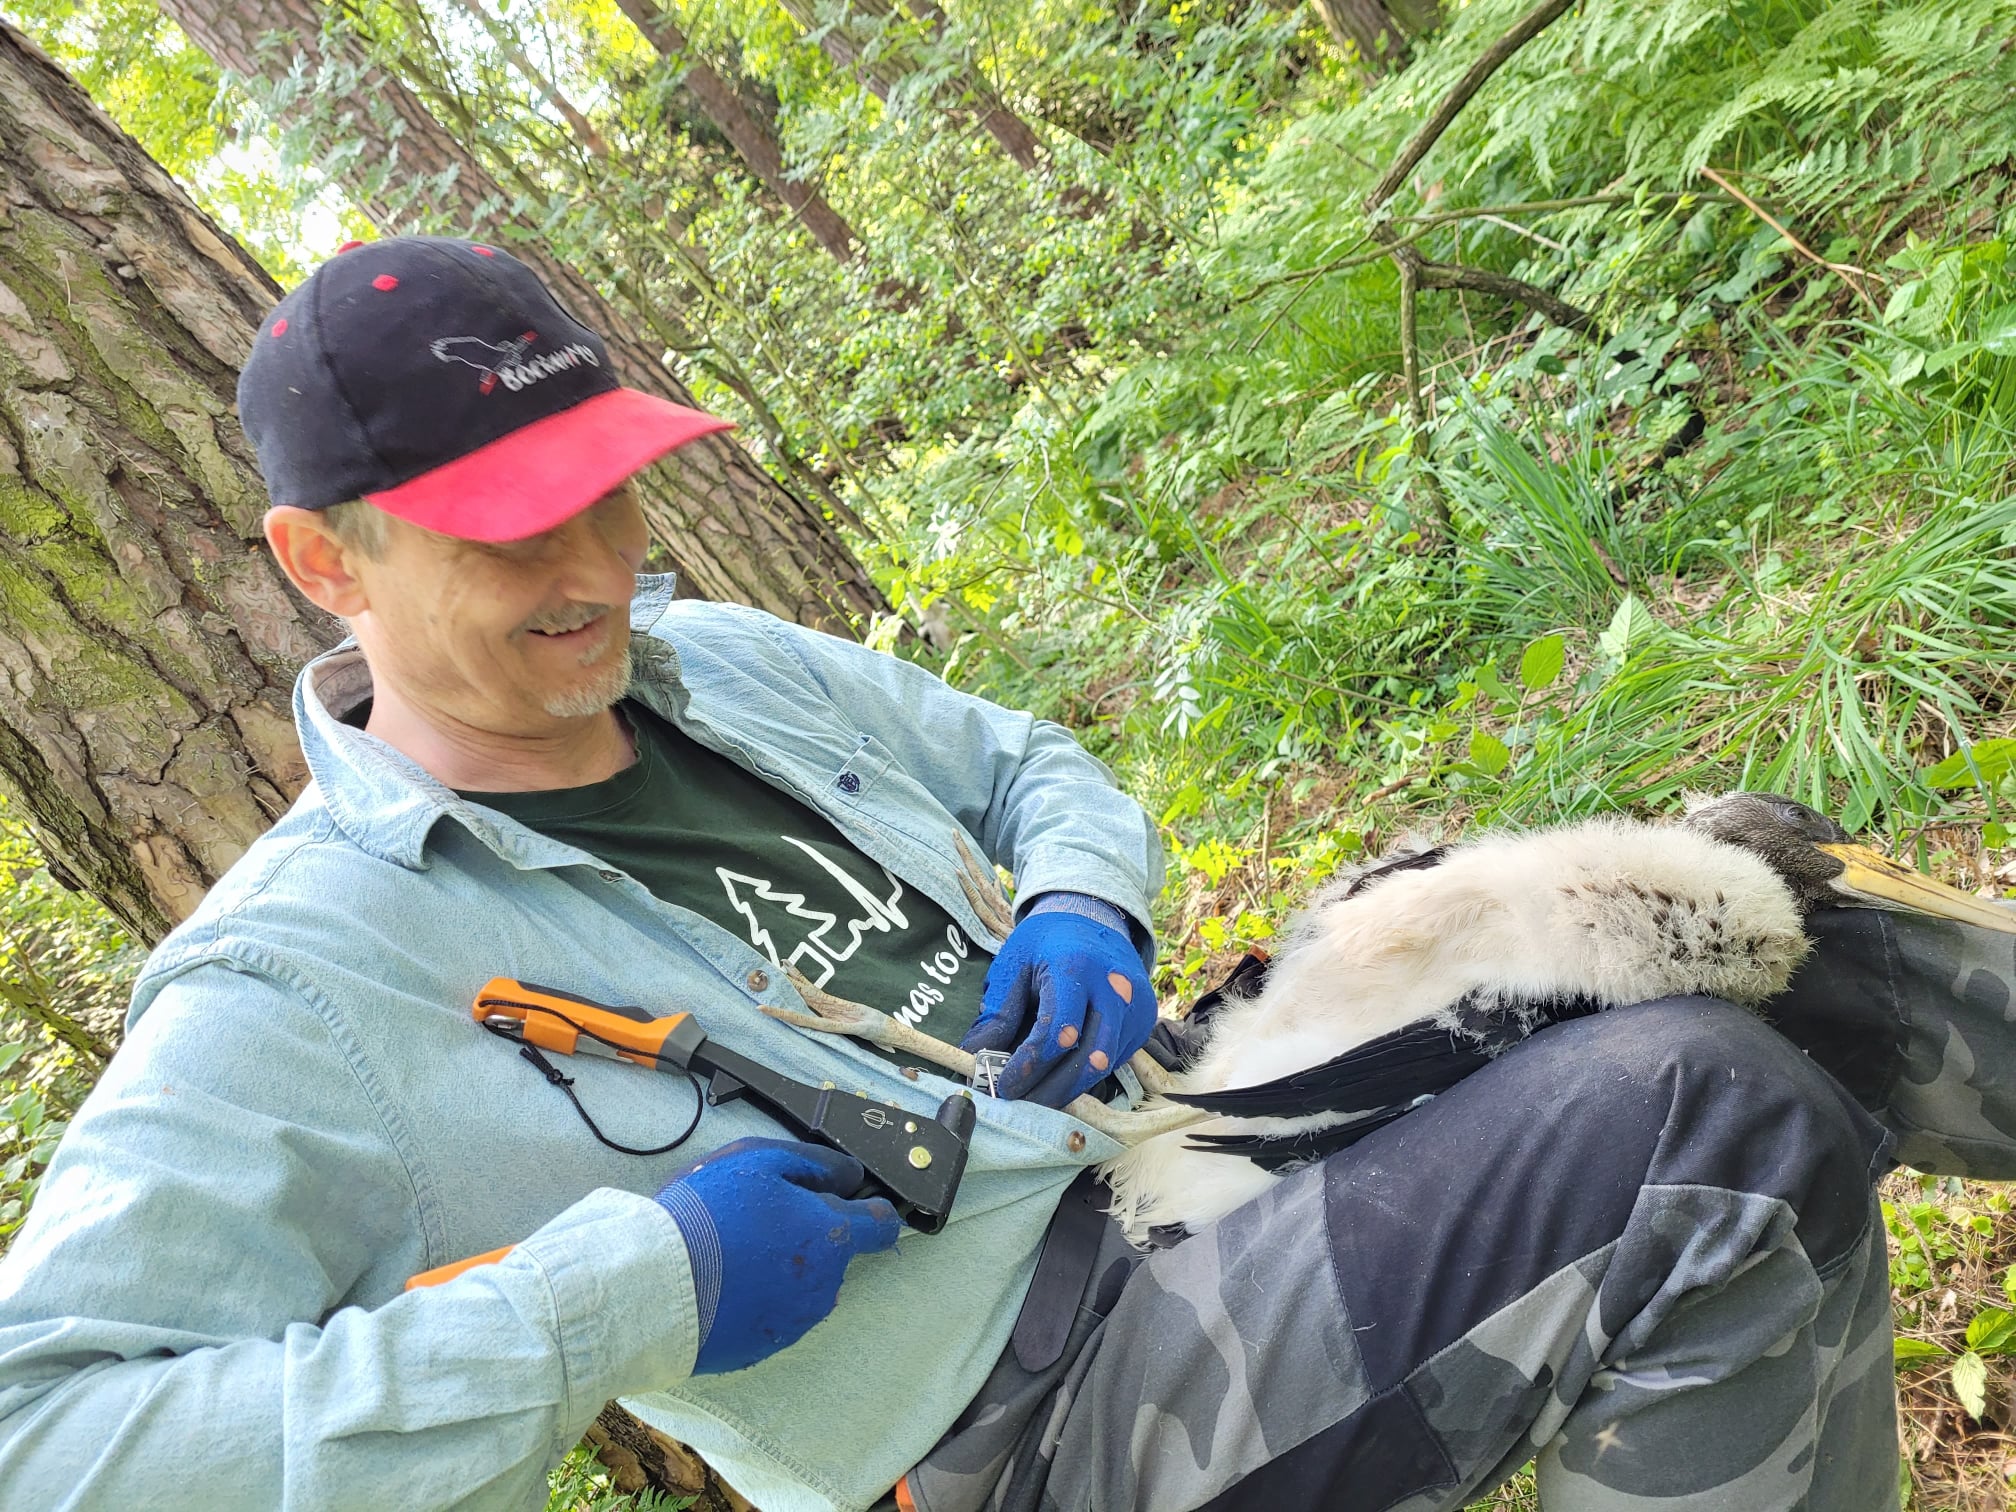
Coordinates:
(388, 804)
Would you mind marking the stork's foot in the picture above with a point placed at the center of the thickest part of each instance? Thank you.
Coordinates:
(1156, 1079)
(837, 1015)
(983, 890)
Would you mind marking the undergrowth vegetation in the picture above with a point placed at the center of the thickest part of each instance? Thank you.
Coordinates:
(1177, 473)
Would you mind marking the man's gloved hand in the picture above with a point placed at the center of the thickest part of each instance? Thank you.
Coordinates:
(1068, 995)
(770, 1230)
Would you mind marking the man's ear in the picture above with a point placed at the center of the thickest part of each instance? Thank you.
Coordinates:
(315, 561)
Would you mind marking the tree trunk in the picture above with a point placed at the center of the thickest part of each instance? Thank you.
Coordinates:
(1366, 28)
(148, 642)
(733, 531)
(1416, 17)
(1009, 130)
(742, 123)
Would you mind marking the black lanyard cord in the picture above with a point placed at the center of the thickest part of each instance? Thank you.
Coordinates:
(565, 1083)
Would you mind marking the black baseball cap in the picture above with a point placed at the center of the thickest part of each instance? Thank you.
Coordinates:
(440, 380)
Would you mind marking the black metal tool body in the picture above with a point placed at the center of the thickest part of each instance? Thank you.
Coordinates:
(913, 1160)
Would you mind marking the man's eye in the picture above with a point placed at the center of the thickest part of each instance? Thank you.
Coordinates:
(505, 551)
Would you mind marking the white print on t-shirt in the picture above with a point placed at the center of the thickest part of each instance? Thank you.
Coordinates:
(941, 968)
(820, 949)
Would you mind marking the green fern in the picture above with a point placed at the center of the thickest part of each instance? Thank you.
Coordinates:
(1848, 116)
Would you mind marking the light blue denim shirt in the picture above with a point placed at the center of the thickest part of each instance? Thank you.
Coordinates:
(205, 1310)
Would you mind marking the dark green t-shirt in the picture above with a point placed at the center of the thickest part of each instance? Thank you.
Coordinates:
(703, 833)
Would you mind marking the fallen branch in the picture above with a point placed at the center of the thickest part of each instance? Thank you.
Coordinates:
(34, 996)
(1425, 222)
(1433, 275)
(1417, 272)
(1848, 273)
(34, 1004)
(1495, 57)
(1417, 411)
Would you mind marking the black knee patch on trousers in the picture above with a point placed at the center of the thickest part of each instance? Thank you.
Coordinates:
(1537, 1161)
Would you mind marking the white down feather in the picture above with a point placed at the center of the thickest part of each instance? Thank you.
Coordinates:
(1610, 909)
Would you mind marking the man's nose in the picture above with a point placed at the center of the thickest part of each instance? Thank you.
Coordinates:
(593, 566)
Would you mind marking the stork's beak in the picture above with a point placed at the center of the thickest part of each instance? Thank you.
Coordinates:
(1875, 881)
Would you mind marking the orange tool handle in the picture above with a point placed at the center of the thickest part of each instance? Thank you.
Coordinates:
(455, 1268)
(554, 1020)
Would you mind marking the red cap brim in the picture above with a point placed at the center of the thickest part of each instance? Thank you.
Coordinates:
(548, 471)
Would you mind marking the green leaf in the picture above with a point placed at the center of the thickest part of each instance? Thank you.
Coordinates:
(1998, 331)
(1487, 679)
(1548, 363)
(1993, 758)
(1630, 627)
(11, 1052)
(1489, 754)
(1907, 1351)
(1906, 365)
(1994, 834)
(1970, 1383)
(1992, 1330)
(1542, 661)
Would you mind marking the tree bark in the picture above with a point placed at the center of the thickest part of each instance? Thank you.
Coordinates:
(732, 530)
(1009, 130)
(1416, 17)
(148, 641)
(1366, 28)
(742, 122)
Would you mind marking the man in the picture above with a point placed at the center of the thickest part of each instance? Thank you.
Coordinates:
(1640, 1246)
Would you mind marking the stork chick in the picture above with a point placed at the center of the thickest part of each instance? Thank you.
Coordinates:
(1395, 984)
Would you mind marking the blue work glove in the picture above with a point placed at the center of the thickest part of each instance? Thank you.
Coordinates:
(1068, 995)
(769, 1229)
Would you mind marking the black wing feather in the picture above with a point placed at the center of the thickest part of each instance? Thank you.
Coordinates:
(1422, 1057)
(1378, 1080)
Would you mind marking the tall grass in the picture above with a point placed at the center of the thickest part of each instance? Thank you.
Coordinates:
(1857, 635)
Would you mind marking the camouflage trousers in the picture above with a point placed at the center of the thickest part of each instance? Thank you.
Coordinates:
(1641, 1248)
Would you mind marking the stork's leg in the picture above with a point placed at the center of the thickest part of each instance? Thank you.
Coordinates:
(983, 890)
(828, 1014)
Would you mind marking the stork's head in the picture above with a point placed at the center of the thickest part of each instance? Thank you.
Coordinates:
(1825, 868)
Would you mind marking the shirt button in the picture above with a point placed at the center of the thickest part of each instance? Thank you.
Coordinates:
(850, 783)
(1075, 1141)
(758, 979)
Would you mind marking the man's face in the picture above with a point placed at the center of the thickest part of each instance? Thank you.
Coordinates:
(516, 638)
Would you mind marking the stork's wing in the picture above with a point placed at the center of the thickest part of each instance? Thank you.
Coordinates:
(1376, 1081)
(1271, 1152)
(1418, 1058)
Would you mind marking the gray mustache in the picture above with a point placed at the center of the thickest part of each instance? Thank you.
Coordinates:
(571, 618)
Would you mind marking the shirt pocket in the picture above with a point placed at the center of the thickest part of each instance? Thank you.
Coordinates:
(861, 770)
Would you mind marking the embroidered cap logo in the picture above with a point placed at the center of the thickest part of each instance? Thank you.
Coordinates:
(503, 362)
